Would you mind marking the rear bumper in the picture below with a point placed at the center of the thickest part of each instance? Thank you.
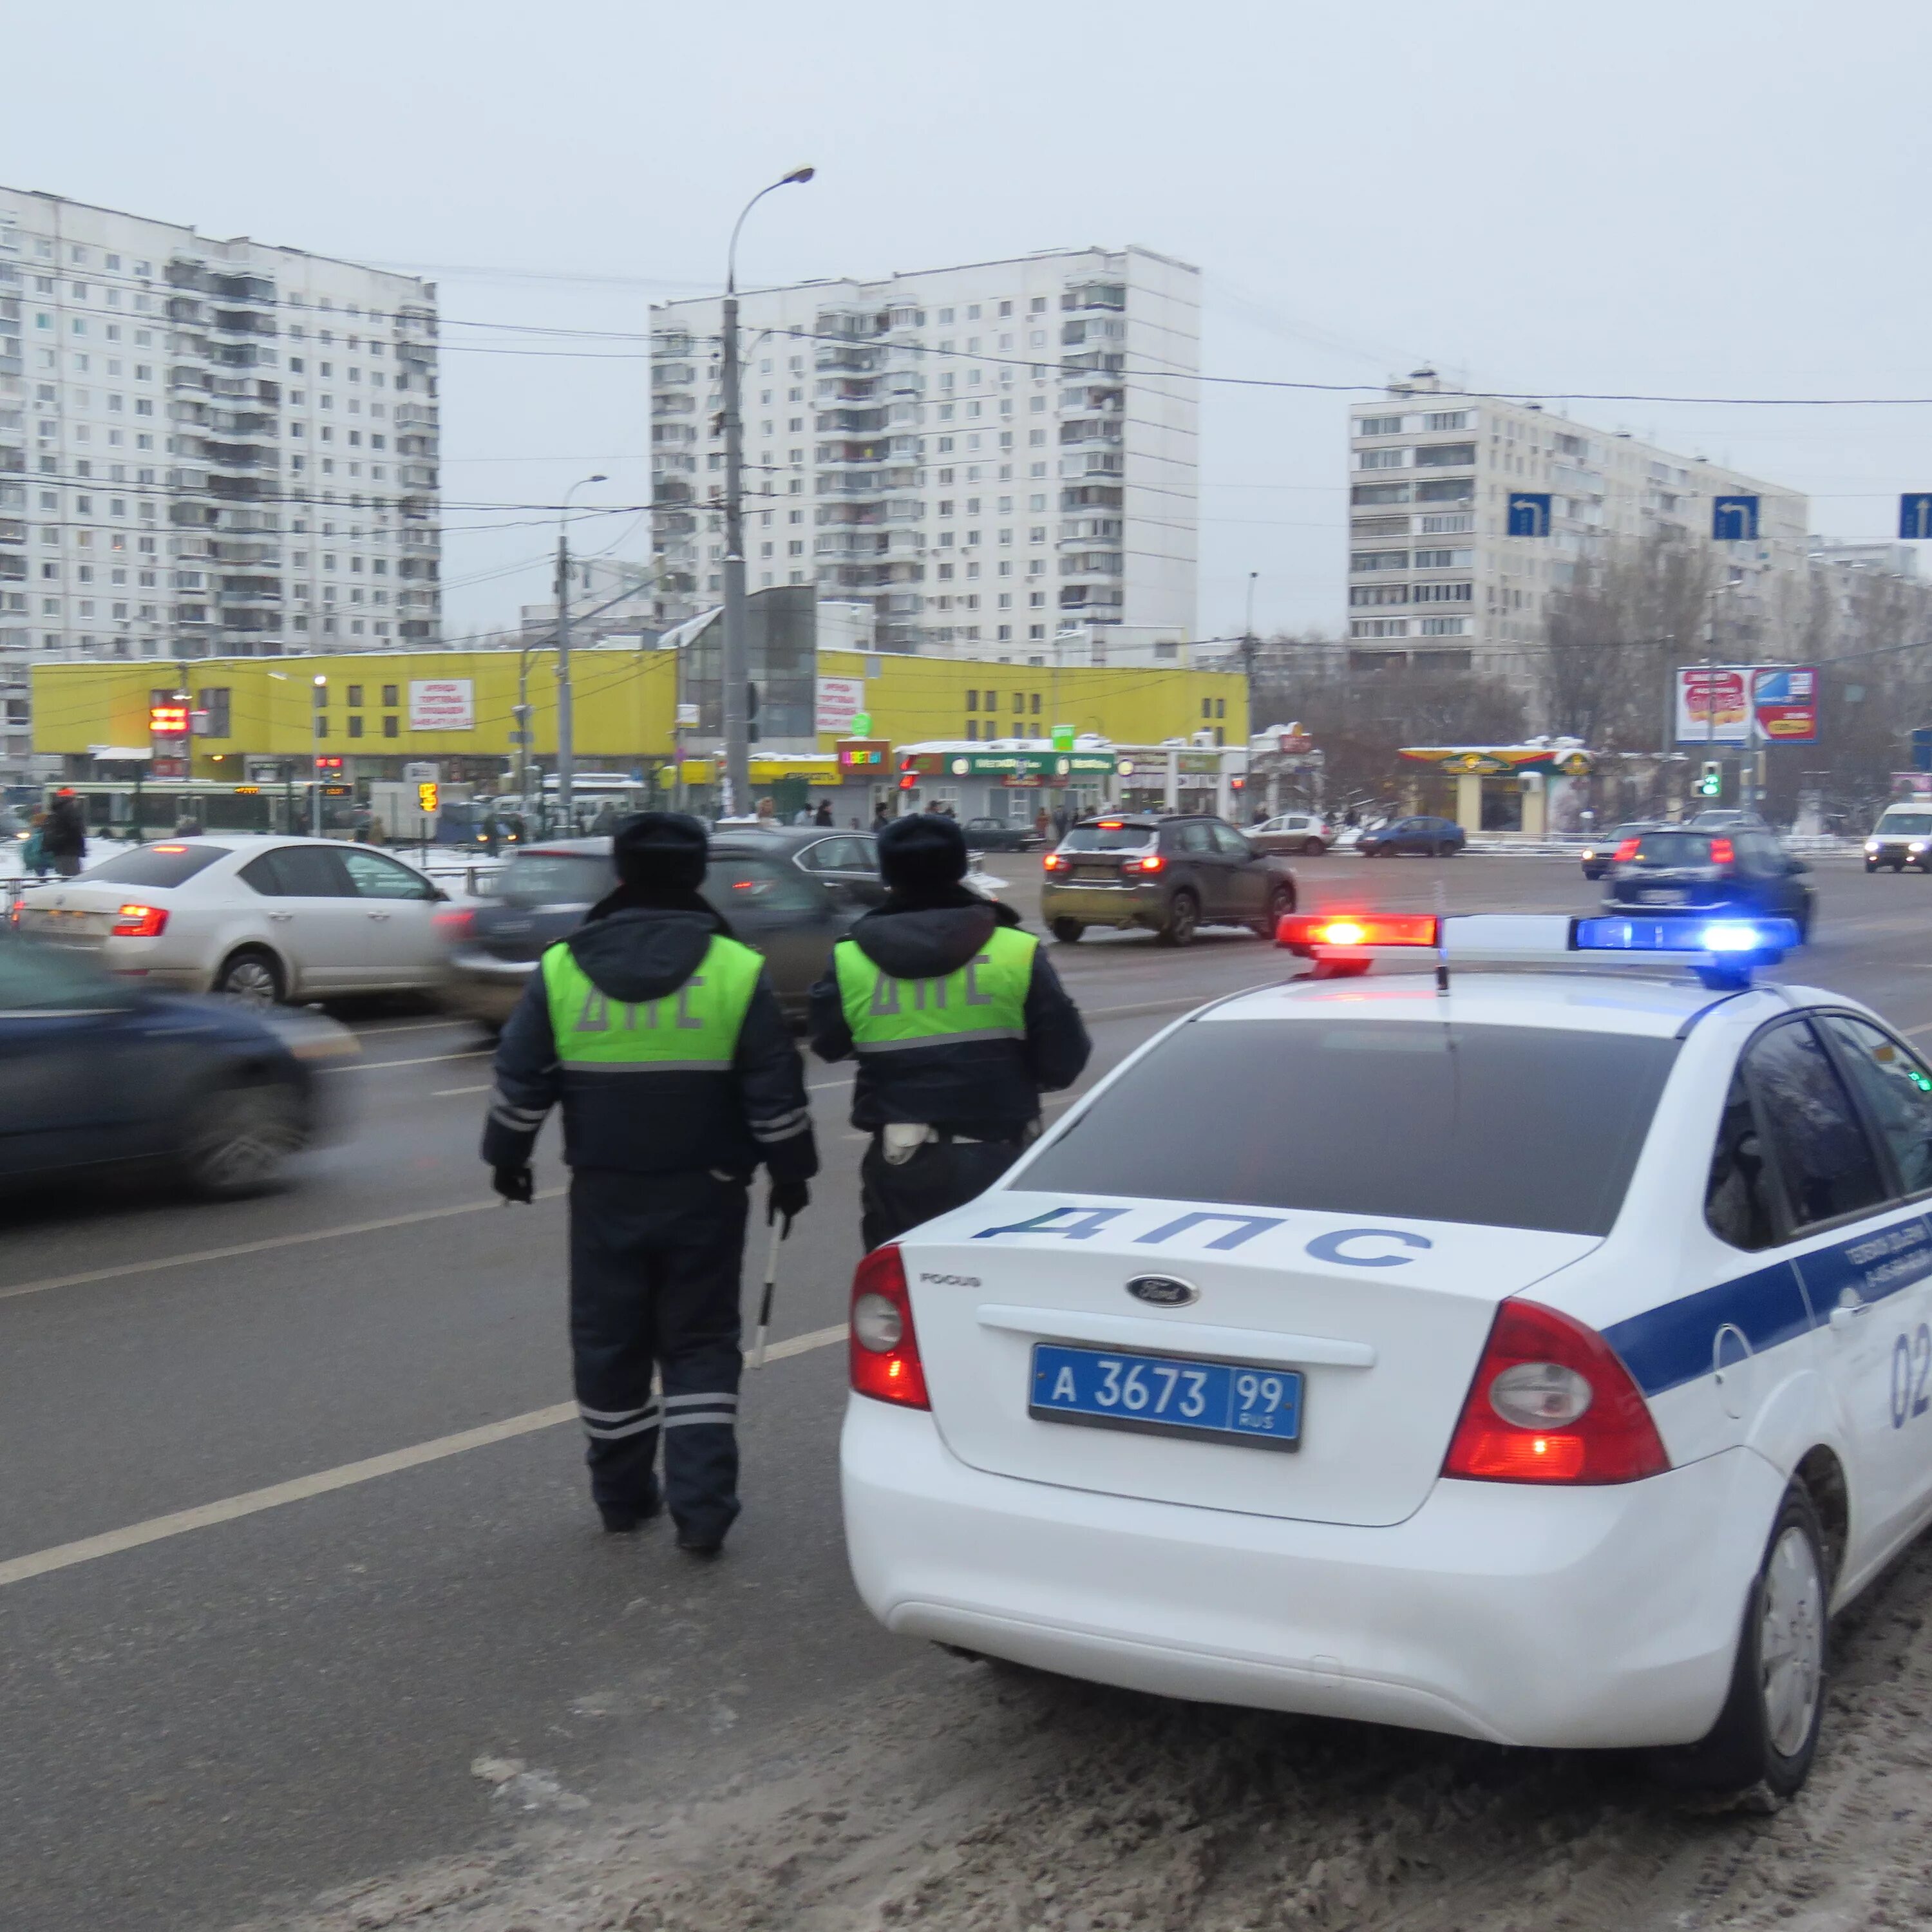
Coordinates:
(484, 989)
(1583, 1618)
(1104, 905)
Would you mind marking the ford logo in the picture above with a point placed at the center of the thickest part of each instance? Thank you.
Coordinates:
(1163, 1290)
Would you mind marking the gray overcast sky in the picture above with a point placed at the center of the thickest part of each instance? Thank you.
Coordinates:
(1689, 196)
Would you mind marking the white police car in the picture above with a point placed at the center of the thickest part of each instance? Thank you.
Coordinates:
(1532, 1355)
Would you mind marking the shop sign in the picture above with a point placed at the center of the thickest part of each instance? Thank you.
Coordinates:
(443, 704)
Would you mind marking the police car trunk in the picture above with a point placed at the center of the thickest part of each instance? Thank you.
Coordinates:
(1292, 1216)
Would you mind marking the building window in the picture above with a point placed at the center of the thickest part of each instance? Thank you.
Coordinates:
(388, 694)
(355, 698)
(389, 725)
(1447, 419)
(355, 727)
(1382, 459)
(1379, 426)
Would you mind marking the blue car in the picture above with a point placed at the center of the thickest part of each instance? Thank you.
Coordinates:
(1436, 838)
(100, 1074)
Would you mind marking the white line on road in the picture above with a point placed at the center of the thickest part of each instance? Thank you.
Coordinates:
(252, 1502)
(427, 1059)
(444, 1092)
(125, 1268)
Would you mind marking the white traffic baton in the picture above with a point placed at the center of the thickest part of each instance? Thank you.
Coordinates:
(765, 1301)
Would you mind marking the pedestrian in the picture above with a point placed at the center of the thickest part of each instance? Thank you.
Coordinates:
(64, 835)
(661, 1038)
(33, 853)
(958, 1023)
(882, 816)
(604, 825)
(768, 811)
(361, 819)
(802, 816)
(824, 815)
(1040, 823)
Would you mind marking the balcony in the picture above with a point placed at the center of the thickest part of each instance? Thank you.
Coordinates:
(1098, 361)
(407, 416)
(427, 447)
(416, 475)
(1092, 431)
(419, 568)
(1093, 563)
(677, 405)
(664, 493)
(676, 524)
(1094, 463)
(242, 322)
(417, 509)
(851, 422)
(672, 375)
(1096, 295)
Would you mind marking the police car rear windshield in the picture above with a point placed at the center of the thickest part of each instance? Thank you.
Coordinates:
(1505, 1127)
(170, 864)
(1675, 848)
(556, 878)
(1907, 824)
(1108, 839)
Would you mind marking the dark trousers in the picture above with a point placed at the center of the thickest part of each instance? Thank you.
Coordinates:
(940, 1176)
(655, 1263)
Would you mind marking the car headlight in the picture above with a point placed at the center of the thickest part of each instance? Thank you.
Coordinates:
(1871, 844)
(1917, 845)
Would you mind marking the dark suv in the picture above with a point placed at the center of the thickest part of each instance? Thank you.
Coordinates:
(1168, 875)
(1744, 872)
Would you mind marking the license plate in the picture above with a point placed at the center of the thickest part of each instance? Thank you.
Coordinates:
(1110, 873)
(1670, 895)
(1164, 1395)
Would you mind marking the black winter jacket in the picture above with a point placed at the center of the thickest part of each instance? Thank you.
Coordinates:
(662, 1122)
(985, 1089)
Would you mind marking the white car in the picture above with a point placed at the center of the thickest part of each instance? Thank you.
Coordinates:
(1539, 1360)
(1307, 833)
(260, 919)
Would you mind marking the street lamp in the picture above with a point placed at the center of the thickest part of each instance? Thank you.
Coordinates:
(735, 667)
(565, 743)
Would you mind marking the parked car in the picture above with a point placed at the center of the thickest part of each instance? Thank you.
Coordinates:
(261, 919)
(1304, 832)
(1680, 869)
(1167, 874)
(102, 1072)
(791, 912)
(1600, 851)
(999, 835)
(1901, 838)
(1437, 837)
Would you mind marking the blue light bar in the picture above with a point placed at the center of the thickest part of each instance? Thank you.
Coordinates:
(1761, 941)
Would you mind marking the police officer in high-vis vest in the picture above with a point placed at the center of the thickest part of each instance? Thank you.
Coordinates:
(661, 1036)
(958, 1024)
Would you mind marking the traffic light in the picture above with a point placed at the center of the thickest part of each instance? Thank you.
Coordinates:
(1711, 785)
(426, 797)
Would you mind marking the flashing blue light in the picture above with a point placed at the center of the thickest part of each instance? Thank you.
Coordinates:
(1766, 940)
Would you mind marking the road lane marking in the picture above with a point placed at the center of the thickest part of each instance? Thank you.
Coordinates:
(427, 1059)
(125, 1268)
(444, 1092)
(1926, 1028)
(252, 1502)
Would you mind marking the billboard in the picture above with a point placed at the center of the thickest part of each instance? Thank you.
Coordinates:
(840, 700)
(443, 704)
(1735, 705)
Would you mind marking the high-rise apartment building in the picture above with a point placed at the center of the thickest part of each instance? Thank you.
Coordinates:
(984, 454)
(1434, 574)
(206, 448)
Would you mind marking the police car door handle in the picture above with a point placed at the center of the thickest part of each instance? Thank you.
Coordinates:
(281, 918)
(379, 915)
(1850, 1307)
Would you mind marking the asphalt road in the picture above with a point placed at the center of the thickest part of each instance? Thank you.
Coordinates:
(217, 1703)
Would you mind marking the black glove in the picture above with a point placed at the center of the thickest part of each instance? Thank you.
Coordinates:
(790, 1198)
(514, 1184)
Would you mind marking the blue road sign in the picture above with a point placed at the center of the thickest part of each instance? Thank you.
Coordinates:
(1922, 751)
(1915, 514)
(1734, 519)
(1528, 513)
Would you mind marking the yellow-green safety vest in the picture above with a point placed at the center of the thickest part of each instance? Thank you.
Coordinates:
(694, 1030)
(985, 999)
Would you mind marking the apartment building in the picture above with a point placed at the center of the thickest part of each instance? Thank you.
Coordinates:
(206, 448)
(984, 453)
(1435, 578)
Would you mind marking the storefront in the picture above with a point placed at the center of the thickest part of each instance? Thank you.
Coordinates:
(1523, 788)
(1015, 785)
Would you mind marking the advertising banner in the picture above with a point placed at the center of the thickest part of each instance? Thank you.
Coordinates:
(443, 704)
(1714, 704)
(840, 700)
(1784, 702)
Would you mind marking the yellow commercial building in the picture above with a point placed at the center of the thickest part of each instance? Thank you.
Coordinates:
(460, 707)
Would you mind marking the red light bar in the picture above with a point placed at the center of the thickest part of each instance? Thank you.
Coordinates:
(1303, 932)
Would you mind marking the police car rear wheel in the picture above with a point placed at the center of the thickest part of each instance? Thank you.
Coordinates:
(1767, 1733)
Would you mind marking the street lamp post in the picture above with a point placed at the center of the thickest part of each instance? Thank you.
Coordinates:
(315, 755)
(735, 666)
(565, 739)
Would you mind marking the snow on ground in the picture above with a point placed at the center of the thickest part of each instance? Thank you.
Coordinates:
(1005, 1801)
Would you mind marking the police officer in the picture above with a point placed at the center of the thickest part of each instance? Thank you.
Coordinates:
(958, 1024)
(661, 1036)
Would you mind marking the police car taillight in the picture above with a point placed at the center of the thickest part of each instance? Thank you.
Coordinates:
(884, 1349)
(1551, 1401)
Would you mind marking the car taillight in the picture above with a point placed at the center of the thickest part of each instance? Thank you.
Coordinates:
(1552, 1402)
(1627, 850)
(1153, 862)
(1053, 863)
(455, 924)
(1723, 852)
(884, 1349)
(139, 922)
